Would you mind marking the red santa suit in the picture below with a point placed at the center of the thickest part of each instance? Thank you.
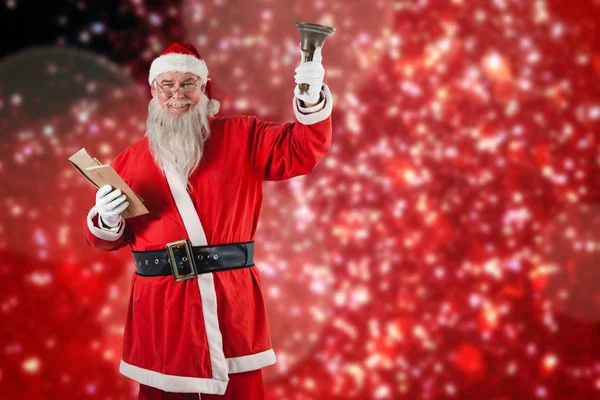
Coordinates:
(187, 336)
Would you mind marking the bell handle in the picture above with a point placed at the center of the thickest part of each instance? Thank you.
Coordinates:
(308, 56)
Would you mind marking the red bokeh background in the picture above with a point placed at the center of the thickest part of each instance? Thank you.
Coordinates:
(447, 247)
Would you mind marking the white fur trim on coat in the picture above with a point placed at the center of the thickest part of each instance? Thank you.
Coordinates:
(173, 383)
(104, 234)
(206, 285)
(324, 111)
(177, 62)
(251, 362)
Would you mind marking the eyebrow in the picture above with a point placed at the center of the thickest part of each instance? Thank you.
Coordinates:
(170, 81)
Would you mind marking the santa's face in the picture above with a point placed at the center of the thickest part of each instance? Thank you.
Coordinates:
(177, 125)
(177, 92)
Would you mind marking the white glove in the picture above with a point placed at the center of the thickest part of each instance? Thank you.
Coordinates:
(109, 204)
(313, 73)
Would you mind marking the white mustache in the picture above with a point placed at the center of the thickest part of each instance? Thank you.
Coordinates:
(178, 103)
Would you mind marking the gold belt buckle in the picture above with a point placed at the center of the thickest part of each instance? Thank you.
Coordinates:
(190, 258)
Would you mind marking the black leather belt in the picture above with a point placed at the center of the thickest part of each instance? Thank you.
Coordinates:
(190, 261)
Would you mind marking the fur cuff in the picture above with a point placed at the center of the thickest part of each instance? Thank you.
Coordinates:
(317, 116)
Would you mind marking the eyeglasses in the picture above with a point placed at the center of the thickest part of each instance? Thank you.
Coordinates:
(169, 91)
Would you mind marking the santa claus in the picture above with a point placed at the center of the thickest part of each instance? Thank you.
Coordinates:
(196, 324)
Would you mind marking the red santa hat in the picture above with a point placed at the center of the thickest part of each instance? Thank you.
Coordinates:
(184, 58)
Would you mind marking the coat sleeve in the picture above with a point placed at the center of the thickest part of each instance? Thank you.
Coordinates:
(279, 152)
(104, 238)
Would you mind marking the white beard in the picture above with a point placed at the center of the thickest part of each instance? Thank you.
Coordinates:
(177, 141)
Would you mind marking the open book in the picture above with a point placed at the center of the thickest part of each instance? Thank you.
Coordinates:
(101, 175)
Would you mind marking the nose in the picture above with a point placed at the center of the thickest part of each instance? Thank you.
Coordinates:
(177, 94)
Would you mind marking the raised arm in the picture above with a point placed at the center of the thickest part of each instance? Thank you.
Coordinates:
(280, 152)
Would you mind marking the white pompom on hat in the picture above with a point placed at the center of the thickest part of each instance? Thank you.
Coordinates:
(184, 58)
